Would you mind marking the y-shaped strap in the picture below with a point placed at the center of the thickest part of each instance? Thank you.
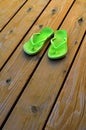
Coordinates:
(38, 43)
(58, 45)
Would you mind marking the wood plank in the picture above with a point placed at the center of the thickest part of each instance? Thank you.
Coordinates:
(19, 68)
(36, 101)
(18, 26)
(8, 9)
(69, 112)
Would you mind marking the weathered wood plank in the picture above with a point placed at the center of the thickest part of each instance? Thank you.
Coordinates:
(36, 101)
(69, 112)
(19, 68)
(18, 26)
(8, 9)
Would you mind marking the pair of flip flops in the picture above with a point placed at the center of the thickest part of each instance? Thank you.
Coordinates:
(58, 47)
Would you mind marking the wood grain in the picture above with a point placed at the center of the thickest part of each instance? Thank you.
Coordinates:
(8, 9)
(20, 66)
(18, 26)
(37, 99)
(69, 112)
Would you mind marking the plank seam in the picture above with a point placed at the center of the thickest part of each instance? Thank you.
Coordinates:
(14, 104)
(61, 23)
(13, 16)
(18, 97)
(66, 14)
(64, 80)
(35, 66)
(24, 35)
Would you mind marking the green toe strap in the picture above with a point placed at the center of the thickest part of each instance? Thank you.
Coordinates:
(58, 47)
(37, 40)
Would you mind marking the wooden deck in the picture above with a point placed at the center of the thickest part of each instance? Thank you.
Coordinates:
(37, 93)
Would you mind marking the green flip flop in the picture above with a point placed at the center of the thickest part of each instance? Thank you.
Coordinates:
(58, 47)
(37, 40)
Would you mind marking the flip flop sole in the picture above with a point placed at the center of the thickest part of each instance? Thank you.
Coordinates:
(58, 48)
(37, 41)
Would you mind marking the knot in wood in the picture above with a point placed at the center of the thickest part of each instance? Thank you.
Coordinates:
(29, 9)
(75, 42)
(34, 109)
(8, 80)
(11, 31)
(54, 10)
(80, 20)
(40, 26)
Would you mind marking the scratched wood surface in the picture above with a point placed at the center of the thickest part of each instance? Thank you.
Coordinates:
(32, 86)
(8, 10)
(70, 109)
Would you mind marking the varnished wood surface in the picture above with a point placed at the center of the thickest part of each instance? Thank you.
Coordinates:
(12, 70)
(70, 108)
(37, 93)
(8, 9)
(14, 32)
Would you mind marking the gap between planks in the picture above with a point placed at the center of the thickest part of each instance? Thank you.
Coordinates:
(19, 53)
(28, 91)
(6, 17)
(28, 15)
(69, 111)
(62, 86)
